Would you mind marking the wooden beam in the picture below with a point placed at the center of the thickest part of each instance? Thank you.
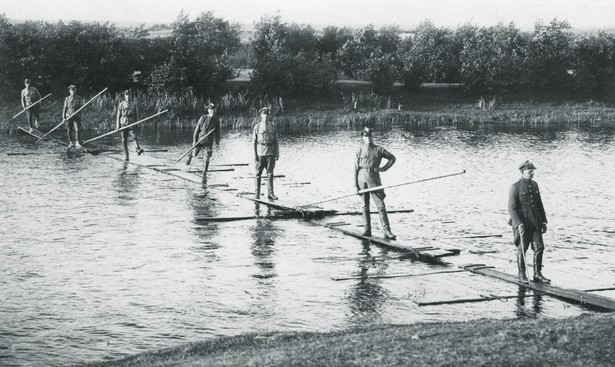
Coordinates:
(573, 295)
(396, 275)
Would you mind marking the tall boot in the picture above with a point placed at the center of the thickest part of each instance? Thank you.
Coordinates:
(538, 277)
(367, 223)
(205, 168)
(257, 187)
(270, 193)
(521, 265)
(386, 228)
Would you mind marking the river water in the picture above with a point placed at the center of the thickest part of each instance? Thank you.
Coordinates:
(101, 259)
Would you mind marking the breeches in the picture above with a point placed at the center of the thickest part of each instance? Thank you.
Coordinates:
(378, 196)
(129, 135)
(263, 162)
(33, 113)
(208, 150)
(533, 236)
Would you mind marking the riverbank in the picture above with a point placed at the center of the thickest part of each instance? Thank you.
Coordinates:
(350, 106)
(581, 341)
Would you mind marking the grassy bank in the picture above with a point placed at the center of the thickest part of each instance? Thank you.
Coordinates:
(349, 106)
(582, 341)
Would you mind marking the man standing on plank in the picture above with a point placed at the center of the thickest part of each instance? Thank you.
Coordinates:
(366, 175)
(127, 113)
(29, 96)
(73, 122)
(266, 151)
(528, 220)
(207, 124)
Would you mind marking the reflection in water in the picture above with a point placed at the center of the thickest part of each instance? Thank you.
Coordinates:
(203, 206)
(523, 312)
(264, 235)
(366, 298)
(126, 184)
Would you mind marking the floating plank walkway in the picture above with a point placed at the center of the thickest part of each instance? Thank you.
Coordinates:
(429, 254)
(577, 296)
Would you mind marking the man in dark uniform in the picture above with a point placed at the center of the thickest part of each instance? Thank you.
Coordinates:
(266, 151)
(73, 121)
(128, 113)
(366, 175)
(29, 96)
(528, 220)
(208, 127)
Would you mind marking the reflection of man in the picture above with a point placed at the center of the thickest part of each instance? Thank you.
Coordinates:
(367, 175)
(29, 96)
(72, 103)
(528, 220)
(266, 151)
(204, 126)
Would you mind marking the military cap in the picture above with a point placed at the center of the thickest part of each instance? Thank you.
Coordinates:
(526, 165)
(366, 132)
(27, 81)
(127, 91)
(266, 110)
(72, 86)
(210, 106)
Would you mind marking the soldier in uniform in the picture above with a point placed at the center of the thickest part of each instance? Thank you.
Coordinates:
(207, 128)
(128, 113)
(528, 220)
(73, 121)
(266, 151)
(366, 175)
(29, 96)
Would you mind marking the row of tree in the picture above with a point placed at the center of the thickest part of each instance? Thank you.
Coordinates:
(290, 59)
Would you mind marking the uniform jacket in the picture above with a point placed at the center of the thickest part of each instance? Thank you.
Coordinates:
(29, 96)
(265, 138)
(525, 204)
(368, 158)
(204, 126)
(72, 104)
(128, 112)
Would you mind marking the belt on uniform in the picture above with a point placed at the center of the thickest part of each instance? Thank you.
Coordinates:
(368, 169)
(266, 143)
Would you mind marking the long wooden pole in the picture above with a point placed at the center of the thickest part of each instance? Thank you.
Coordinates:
(124, 128)
(73, 114)
(30, 106)
(365, 191)
(195, 145)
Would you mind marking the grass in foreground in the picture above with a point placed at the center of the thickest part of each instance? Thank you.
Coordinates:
(582, 341)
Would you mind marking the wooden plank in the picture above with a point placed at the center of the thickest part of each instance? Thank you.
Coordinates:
(396, 275)
(430, 254)
(38, 134)
(573, 295)
(211, 170)
(493, 297)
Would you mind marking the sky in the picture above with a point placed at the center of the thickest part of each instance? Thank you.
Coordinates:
(592, 14)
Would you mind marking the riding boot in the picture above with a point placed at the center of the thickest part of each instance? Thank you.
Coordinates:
(270, 194)
(367, 223)
(205, 168)
(538, 277)
(257, 187)
(386, 228)
(521, 265)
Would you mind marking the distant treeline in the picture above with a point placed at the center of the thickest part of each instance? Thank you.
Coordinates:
(201, 55)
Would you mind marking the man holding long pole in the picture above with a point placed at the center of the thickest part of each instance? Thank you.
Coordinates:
(367, 174)
(207, 131)
(29, 96)
(72, 104)
(127, 113)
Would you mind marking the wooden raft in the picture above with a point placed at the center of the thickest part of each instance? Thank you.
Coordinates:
(577, 296)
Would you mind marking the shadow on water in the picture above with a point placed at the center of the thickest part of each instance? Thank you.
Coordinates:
(531, 310)
(367, 298)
